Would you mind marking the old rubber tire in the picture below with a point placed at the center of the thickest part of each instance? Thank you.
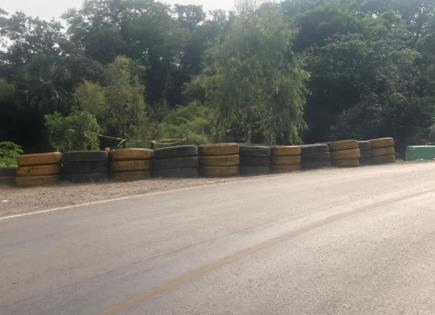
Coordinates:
(130, 166)
(316, 165)
(224, 160)
(286, 168)
(252, 170)
(346, 154)
(176, 173)
(38, 170)
(366, 154)
(85, 156)
(254, 151)
(347, 163)
(311, 149)
(8, 171)
(219, 149)
(31, 181)
(183, 162)
(384, 159)
(381, 143)
(219, 171)
(286, 160)
(88, 177)
(286, 150)
(316, 157)
(130, 176)
(84, 167)
(131, 154)
(364, 145)
(382, 152)
(343, 145)
(256, 161)
(176, 152)
(39, 159)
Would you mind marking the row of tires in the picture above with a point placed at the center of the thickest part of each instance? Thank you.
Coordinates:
(215, 160)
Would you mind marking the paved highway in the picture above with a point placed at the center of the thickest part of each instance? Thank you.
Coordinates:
(325, 242)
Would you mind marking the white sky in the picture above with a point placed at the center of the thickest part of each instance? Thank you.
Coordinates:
(47, 9)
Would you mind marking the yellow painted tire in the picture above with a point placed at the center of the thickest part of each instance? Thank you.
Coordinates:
(131, 154)
(343, 145)
(131, 176)
(286, 160)
(384, 159)
(346, 154)
(286, 168)
(216, 171)
(40, 159)
(286, 150)
(219, 149)
(127, 166)
(383, 152)
(382, 143)
(348, 163)
(223, 160)
(31, 181)
(38, 170)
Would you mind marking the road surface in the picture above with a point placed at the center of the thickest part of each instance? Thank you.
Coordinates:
(359, 241)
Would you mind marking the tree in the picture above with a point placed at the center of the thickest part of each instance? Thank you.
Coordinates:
(254, 80)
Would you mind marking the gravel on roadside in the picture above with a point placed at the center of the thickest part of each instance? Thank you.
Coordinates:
(15, 200)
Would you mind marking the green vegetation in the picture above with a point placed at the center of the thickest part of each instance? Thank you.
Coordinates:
(9, 152)
(289, 72)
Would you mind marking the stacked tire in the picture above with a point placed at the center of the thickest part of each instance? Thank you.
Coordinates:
(85, 166)
(176, 162)
(365, 149)
(219, 160)
(38, 169)
(130, 164)
(382, 151)
(7, 176)
(286, 159)
(315, 156)
(255, 160)
(345, 153)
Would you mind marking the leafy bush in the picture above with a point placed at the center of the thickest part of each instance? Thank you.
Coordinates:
(78, 131)
(9, 152)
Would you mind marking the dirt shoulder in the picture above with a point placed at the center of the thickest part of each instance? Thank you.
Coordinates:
(15, 200)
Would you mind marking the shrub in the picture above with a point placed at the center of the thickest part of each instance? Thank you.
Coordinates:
(9, 152)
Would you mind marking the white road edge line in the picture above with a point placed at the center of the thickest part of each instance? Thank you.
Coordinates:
(156, 193)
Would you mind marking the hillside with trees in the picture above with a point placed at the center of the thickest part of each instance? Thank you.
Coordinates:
(278, 73)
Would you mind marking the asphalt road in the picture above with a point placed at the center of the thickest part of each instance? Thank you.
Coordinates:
(326, 242)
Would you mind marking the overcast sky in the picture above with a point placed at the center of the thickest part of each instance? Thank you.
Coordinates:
(47, 9)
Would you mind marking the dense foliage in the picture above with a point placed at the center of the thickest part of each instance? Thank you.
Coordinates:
(289, 72)
(9, 152)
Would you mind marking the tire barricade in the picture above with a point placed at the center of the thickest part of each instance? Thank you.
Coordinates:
(176, 162)
(345, 153)
(130, 164)
(286, 159)
(38, 169)
(219, 160)
(255, 160)
(190, 161)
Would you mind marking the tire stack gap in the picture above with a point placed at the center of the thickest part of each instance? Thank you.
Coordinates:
(383, 151)
(255, 159)
(38, 169)
(315, 156)
(85, 166)
(345, 153)
(286, 159)
(130, 164)
(176, 162)
(366, 152)
(219, 160)
(7, 175)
